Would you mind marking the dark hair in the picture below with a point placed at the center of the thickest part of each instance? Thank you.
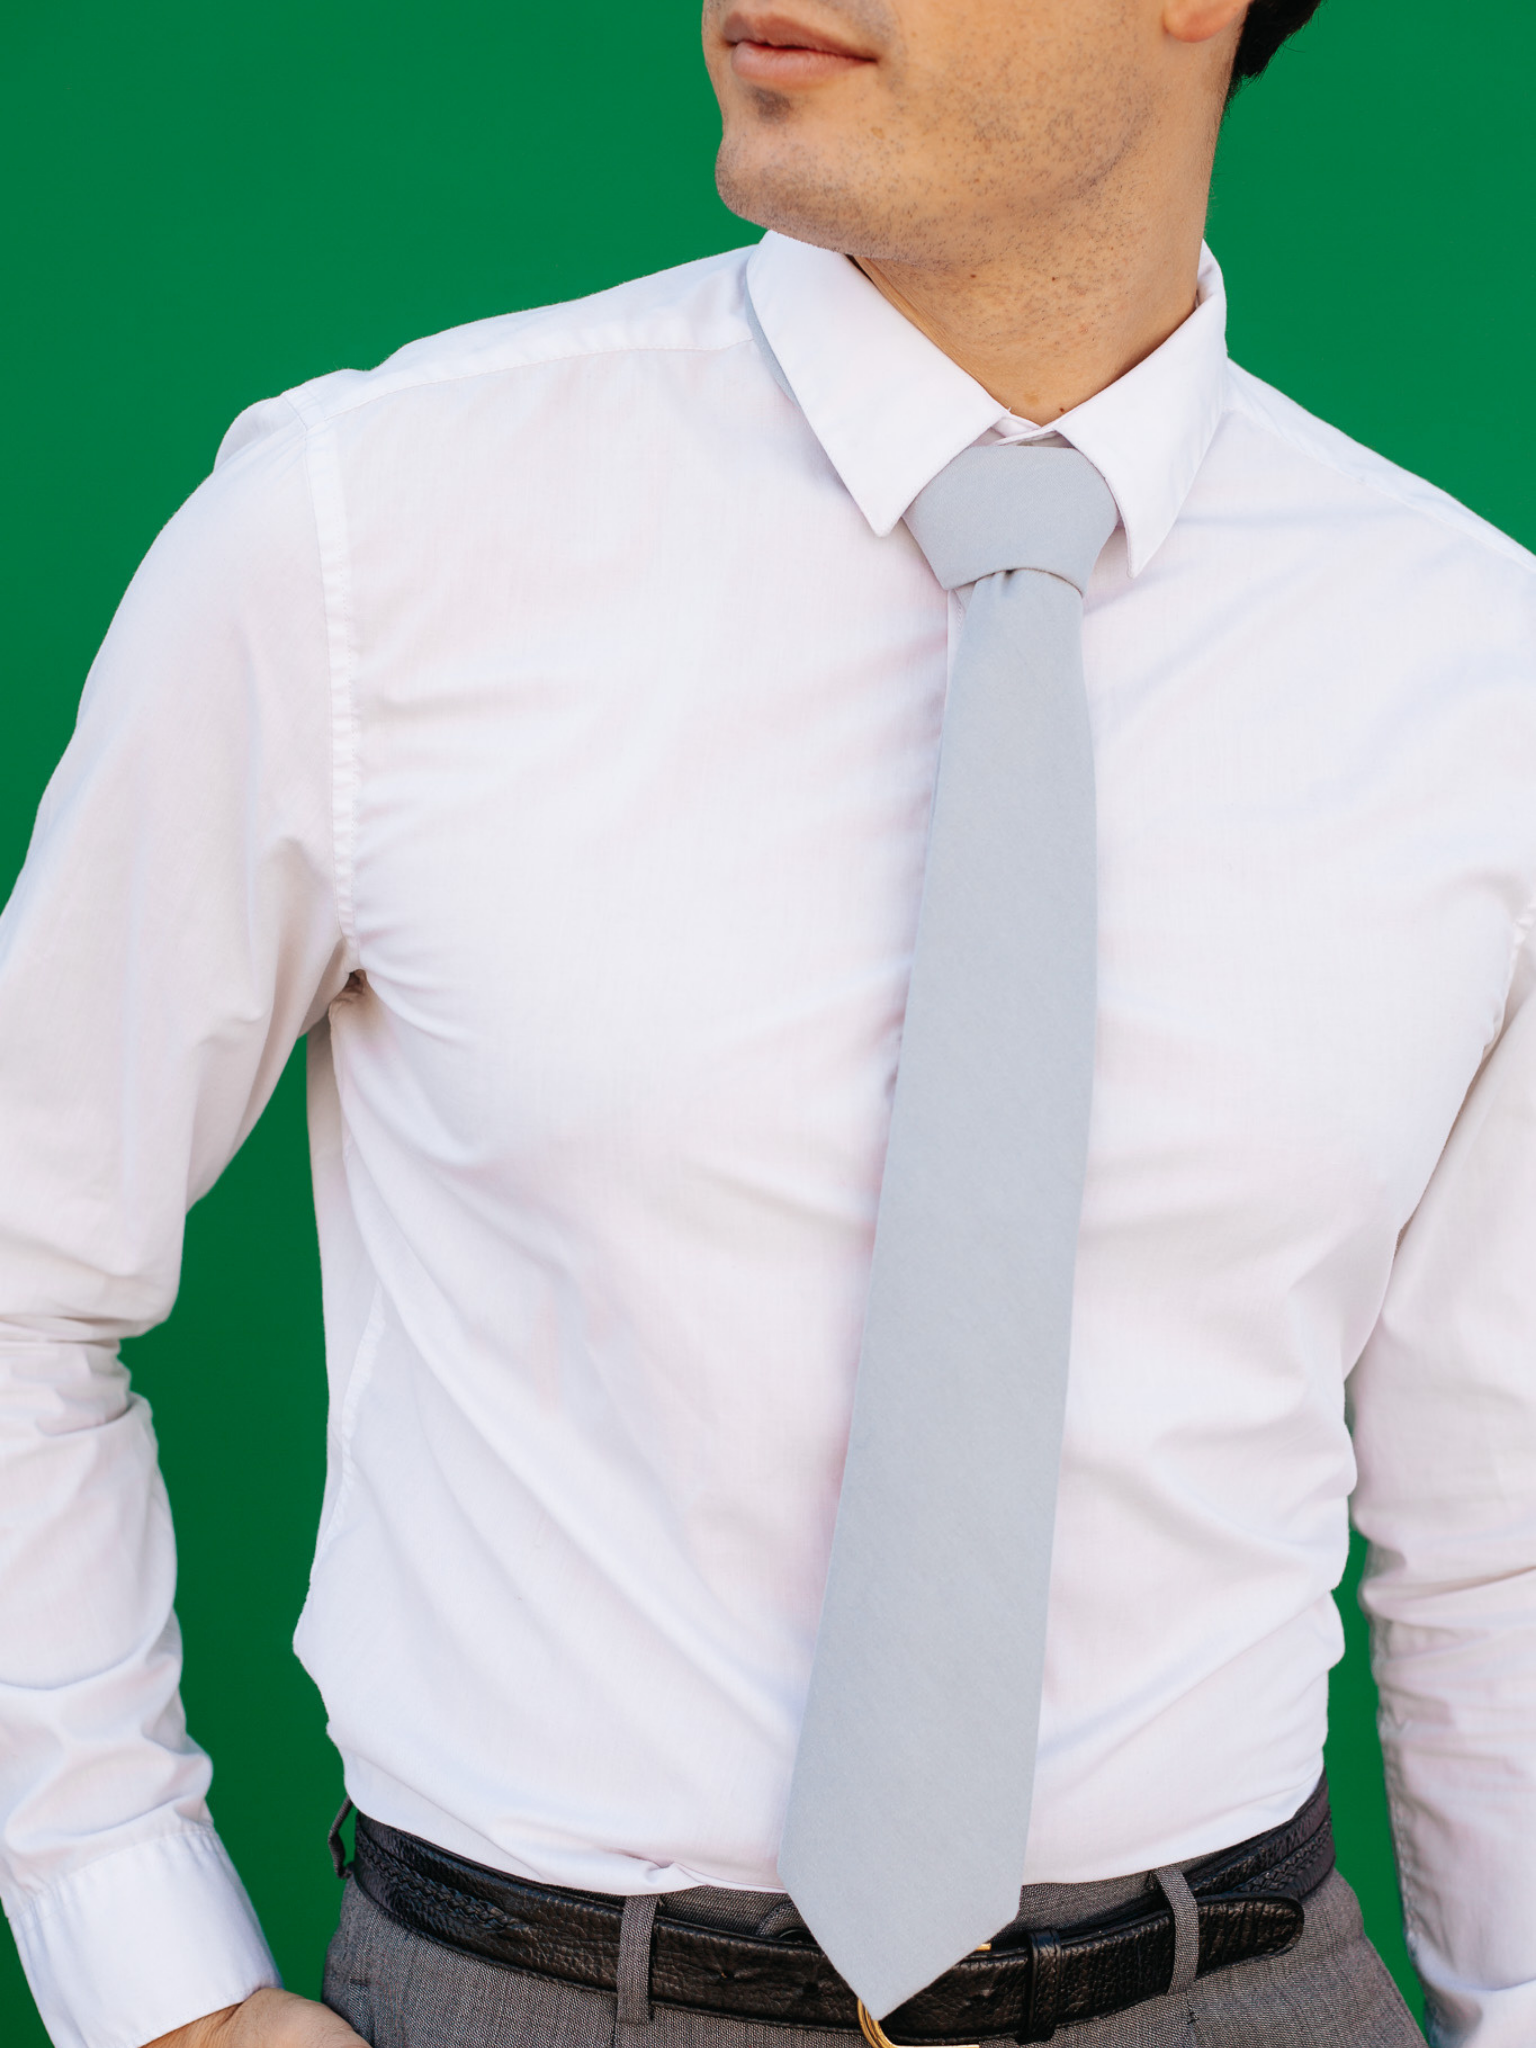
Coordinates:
(1268, 24)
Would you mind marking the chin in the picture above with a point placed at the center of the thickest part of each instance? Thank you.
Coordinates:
(798, 195)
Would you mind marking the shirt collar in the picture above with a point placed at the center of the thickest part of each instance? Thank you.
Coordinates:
(890, 408)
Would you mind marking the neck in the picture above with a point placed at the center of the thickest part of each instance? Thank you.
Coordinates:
(1045, 325)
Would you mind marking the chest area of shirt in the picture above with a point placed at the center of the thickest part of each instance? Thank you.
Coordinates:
(643, 874)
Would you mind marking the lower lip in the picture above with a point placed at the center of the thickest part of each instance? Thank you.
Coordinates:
(769, 64)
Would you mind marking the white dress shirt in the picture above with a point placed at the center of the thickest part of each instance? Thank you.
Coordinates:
(545, 722)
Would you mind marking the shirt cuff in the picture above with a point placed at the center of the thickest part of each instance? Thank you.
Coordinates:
(141, 1941)
(1486, 2019)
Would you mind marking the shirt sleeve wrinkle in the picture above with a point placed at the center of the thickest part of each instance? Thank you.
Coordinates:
(173, 932)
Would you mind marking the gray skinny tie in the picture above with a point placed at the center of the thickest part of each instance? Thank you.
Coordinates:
(909, 1808)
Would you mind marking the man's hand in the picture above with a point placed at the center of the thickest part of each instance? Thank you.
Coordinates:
(267, 2019)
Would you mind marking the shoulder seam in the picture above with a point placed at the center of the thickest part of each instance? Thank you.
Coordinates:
(316, 415)
(1476, 530)
(226, 453)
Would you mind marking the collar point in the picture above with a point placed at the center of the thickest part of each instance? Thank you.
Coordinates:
(1141, 547)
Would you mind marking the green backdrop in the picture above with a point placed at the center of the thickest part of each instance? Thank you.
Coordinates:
(205, 203)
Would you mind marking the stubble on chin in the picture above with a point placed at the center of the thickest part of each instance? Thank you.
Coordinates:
(966, 148)
(784, 187)
(784, 164)
(860, 195)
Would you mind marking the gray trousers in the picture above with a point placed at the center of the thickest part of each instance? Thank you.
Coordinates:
(401, 1991)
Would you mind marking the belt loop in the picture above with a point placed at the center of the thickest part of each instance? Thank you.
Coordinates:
(335, 1844)
(634, 1981)
(1044, 1985)
(1174, 1886)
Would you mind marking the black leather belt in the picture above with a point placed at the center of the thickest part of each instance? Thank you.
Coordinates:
(1028, 1984)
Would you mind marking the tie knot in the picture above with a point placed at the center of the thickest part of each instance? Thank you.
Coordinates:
(1007, 506)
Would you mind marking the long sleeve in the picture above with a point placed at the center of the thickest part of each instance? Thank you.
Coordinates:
(174, 931)
(1445, 1429)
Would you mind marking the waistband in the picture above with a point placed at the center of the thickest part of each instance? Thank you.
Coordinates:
(1247, 1901)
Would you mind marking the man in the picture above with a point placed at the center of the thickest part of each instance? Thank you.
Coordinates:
(548, 723)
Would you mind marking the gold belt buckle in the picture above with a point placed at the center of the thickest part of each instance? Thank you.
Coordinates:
(876, 2035)
(872, 2030)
